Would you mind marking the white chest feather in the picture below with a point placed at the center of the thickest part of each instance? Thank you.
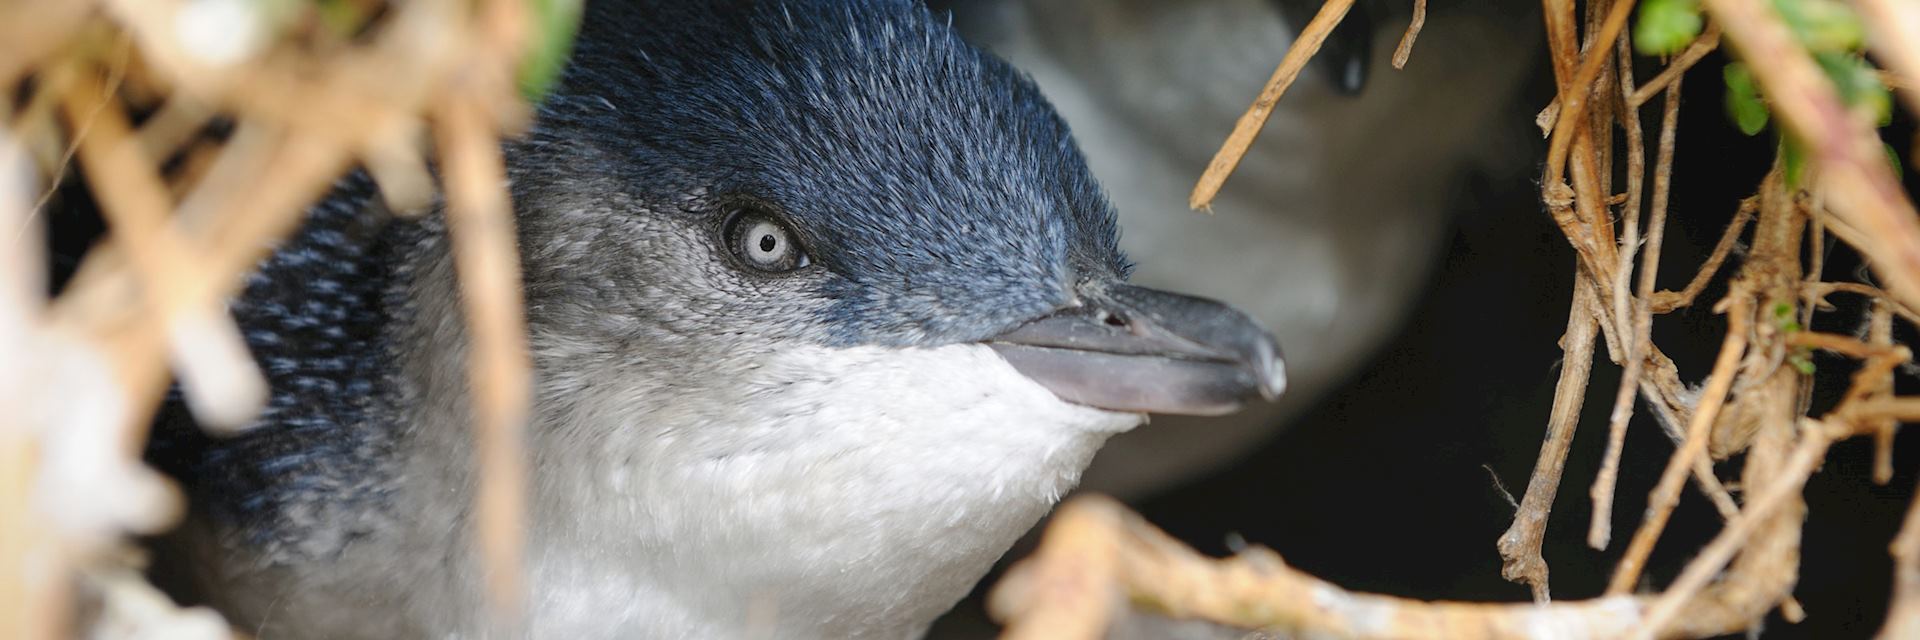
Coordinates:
(838, 493)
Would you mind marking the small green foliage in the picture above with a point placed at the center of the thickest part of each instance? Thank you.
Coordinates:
(1743, 99)
(1801, 358)
(1783, 317)
(341, 17)
(1834, 34)
(1802, 361)
(1859, 84)
(1893, 159)
(555, 23)
(1824, 26)
(1795, 158)
(1666, 26)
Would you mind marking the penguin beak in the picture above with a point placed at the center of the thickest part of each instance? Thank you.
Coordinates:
(1134, 349)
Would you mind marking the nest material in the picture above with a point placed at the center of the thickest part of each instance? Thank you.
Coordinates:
(129, 91)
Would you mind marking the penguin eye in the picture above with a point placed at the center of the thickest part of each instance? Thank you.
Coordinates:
(764, 243)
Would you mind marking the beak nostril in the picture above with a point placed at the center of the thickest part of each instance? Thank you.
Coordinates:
(1113, 320)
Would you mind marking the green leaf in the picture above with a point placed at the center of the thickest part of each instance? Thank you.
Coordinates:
(1824, 26)
(1666, 26)
(1802, 363)
(1893, 159)
(1796, 160)
(1743, 100)
(1859, 84)
(555, 23)
(341, 17)
(1783, 317)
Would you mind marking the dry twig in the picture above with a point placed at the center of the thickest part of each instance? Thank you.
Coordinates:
(1903, 617)
(1708, 41)
(1096, 558)
(480, 220)
(1670, 301)
(33, 573)
(220, 378)
(1520, 545)
(1666, 494)
(1405, 50)
(1248, 127)
(1784, 490)
(182, 240)
(1600, 525)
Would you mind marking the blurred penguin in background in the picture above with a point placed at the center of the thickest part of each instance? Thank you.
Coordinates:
(1333, 219)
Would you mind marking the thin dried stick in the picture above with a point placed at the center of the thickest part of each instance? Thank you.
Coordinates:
(1844, 345)
(1625, 306)
(1401, 53)
(1600, 525)
(1620, 287)
(33, 30)
(314, 108)
(1520, 545)
(1903, 616)
(64, 77)
(1579, 210)
(1053, 599)
(1702, 45)
(172, 127)
(352, 97)
(33, 593)
(1880, 333)
(1873, 378)
(234, 225)
(1096, 558)
(50, 86)
(480, 221)
(1816, 267)
(1902, 409)
(1573, 95)
(405, 183)
(1661, 384)
(1666, 494)
(1820, 290)
(1619, 291)
(1250, 123)
(1563, 44)
(33, 570)
(1759, 511)
(1669, 301)
(223, 384)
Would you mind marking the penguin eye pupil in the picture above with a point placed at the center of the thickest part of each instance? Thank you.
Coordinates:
(763, 243)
